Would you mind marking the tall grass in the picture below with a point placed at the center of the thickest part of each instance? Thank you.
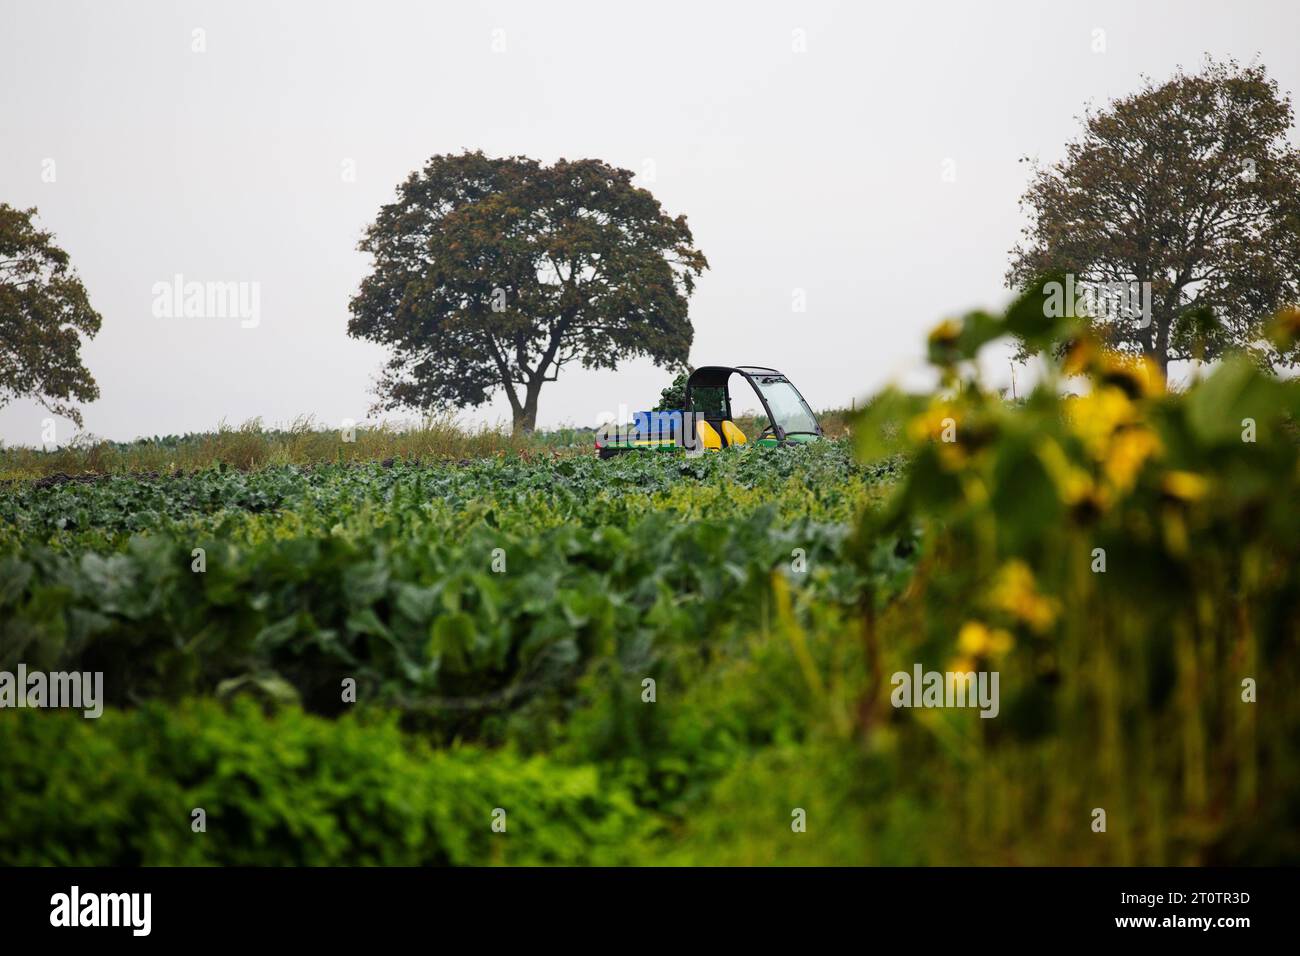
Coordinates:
(251, 446)
(304, 442)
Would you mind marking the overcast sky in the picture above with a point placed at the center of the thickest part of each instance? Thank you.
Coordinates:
(875, 169)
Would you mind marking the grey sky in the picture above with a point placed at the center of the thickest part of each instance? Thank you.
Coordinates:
(820, 171)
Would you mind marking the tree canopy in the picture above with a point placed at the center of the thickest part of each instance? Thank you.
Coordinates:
(497, 273)
(1191, 186)
(44, 311)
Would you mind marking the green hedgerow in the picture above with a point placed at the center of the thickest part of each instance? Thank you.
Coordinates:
(287, 789)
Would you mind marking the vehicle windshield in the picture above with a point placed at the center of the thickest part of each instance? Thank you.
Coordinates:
(788, 410)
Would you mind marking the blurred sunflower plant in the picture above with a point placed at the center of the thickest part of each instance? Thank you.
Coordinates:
(1123, 553)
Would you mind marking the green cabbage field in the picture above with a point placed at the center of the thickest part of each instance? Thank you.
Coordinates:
(498, 617)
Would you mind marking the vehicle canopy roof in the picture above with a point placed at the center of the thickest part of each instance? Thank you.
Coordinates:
(715, 376)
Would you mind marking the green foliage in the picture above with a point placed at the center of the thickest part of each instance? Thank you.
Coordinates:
(853, 811)
(709, 401)
(673, 398)
(493, 273)
(287, 790)
(102, 513)
(44, 312)
(385, 574)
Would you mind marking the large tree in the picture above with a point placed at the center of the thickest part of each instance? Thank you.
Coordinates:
(1191, 186)
(44, 312)
(496, 273)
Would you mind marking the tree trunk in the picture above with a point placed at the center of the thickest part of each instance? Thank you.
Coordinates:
(1161, 350)
(516, 410)
(525, 420)
(526, 417)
